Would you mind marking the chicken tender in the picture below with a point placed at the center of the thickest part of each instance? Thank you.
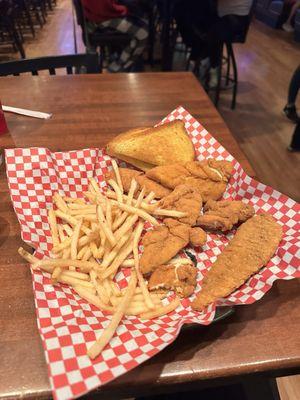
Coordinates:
(253, 245)
(184, 198)
(165, 241)
(176, 276)
(223, 215)
(208, 177)
(128, 174)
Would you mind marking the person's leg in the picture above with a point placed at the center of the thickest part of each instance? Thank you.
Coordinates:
(287, 26)
(295, 142)
(290, 108)
(137, 29)
(224, 30)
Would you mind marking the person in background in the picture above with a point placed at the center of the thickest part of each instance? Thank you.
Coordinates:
(233, 19)
(290, 107)
(205, 25)
(101, 14)
(287, 26)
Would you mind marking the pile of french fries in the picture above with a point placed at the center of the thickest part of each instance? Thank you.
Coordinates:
(93, 237)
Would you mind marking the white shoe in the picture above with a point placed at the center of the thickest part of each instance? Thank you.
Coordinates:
(213, 77)
(287, 27)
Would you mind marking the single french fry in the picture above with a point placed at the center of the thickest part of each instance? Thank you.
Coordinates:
(53, 227)
(118, 176)
(109, 332)
(87, 217)
(27, 256)
(84, 211)
(73, 200)
(148, 207)
(76, 274)
(115, 289)
(81, 252)
(56, 273)
(61, 233)
(169, 213)
(68, 229)
(78, 207)
(108, 233)
(86, 295)
(108, 215)
(84, 266)
(33, 260)
(75, 239)
(116, 188)
(100, 292)
(163, 310)
(107, 287)
(128, 263)
(94, 249)
(95, 186)
(140, 278)
(132, 190)
(60, 203)
(70, 280)
(66, 253)
(137, 211)
(92, 197)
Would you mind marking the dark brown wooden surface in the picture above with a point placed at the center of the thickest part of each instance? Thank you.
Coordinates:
(88, 111)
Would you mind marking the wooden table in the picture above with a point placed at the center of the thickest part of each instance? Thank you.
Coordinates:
(87, 111)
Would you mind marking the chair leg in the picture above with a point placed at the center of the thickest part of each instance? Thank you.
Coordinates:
(218, 88)
(17, 40)
(235, 77)
(228, 66)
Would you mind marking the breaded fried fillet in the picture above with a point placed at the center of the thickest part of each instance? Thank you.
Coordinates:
(253, 245)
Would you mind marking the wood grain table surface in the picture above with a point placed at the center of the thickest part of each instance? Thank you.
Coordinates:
(88, 111)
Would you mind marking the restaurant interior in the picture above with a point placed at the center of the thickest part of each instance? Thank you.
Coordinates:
(73, 75)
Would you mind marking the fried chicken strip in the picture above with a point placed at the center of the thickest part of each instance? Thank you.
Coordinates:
(128, 174)
(253, 245)
(223, 215)
(163, 243)
(175, 276)
(208, 177)
(184, 198)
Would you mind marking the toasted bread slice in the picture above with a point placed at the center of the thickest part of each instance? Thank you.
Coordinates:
(165, 144)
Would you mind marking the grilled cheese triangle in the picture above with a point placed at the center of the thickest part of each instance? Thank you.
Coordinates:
(148, 147)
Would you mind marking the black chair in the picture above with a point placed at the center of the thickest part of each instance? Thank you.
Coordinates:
(229, 61)
(87, 63)
(106, 40)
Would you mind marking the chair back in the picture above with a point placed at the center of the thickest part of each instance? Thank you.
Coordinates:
(34, 65)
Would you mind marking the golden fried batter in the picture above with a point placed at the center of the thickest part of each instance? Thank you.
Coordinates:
(165, 241)
(176, 276)
(208, 177)
(128, 174)
(223, 215)
(184, 198)
(197, 237)
(253, 245)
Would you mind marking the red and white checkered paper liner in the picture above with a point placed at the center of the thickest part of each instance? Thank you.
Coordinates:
(67, 323)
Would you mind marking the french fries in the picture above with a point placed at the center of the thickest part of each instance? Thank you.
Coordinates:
(93, 238)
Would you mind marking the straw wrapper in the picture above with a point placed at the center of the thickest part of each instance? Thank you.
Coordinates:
(67, 323)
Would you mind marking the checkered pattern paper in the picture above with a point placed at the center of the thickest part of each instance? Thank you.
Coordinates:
(67, 323)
